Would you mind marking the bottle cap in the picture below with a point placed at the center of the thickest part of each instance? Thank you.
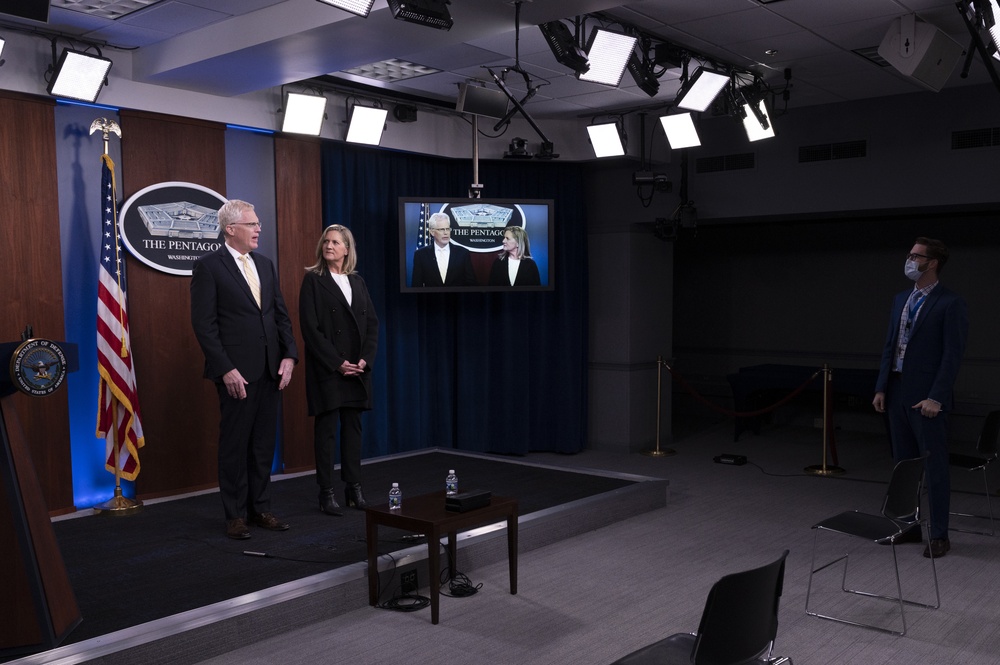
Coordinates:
(451, 470)
(395, 484)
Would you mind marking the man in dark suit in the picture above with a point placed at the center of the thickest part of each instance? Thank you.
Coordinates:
(923, 349)
(442, 263)
(242, 325)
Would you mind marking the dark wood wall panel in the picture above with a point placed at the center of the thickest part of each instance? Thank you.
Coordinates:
(180, 413)
(31, 274)
(299, 204)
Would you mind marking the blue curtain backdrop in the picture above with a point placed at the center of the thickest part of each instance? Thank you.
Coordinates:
(486, 372)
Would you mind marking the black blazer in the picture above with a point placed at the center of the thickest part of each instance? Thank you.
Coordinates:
(232, 331)
(527, 274)
(459, 273)
(334, 332)
(934, 351)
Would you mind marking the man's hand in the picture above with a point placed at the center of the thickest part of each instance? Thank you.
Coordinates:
(879, 402)
(285, 372)
(928, 408)
(235, 384)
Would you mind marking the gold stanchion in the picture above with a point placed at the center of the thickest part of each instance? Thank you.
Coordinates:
(825, 469)
(658, 452)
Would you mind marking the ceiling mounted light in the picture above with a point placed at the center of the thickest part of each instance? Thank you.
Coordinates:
(359, 7)
(2, 43)
(642, 73)
(757, 121)
(564, 46)
(698, 92)
(606, 139)
(680, 131)
(991, 17)
(366, 125)
(304, 113)
(431, 13)
(78, 75)
(608, 53)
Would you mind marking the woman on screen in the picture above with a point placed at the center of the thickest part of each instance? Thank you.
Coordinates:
(514, 266)
(340, 329)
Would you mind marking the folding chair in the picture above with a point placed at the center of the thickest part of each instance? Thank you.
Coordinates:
(986, 449)
(899, 516)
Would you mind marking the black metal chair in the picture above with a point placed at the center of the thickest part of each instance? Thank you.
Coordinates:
(738, 625)
(986, 449)
(900, 515)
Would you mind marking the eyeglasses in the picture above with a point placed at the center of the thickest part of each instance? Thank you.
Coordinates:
(257, 224)
(914, 256)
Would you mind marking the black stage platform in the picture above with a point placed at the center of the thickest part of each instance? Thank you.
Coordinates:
(170, 569)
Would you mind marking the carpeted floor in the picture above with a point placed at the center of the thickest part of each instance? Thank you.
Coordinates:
(173, 556)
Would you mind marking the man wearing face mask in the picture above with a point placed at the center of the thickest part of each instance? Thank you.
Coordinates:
(923, 349)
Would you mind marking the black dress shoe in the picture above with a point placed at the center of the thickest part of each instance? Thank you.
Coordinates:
(270, 522)
(328, 503)
(911, 536)
(938, 547)
(237, 529)
(354, 497)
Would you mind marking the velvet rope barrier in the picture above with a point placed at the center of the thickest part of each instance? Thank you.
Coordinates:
(829, 445)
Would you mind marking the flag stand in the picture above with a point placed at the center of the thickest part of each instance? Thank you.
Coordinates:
(119, 505)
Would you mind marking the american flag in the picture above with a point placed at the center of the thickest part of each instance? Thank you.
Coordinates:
(118, 419)
(423, 237)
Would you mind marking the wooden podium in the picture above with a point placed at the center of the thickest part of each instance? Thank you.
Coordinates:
(39, 607)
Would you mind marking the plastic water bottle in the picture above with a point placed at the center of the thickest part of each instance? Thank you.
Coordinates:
(395, 497)
(451, 483)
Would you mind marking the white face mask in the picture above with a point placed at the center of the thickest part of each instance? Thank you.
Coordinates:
(912, 270)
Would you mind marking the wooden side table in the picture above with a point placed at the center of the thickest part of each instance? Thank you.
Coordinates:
(426, 514)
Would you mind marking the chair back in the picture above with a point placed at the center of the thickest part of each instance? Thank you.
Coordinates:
(989, 437)
(740, 620)
(902, 499)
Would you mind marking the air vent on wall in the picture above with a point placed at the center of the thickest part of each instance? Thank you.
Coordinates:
(987, 137)
(830, 151)
(744, 160)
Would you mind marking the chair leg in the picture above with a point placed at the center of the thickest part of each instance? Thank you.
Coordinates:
(989, 506)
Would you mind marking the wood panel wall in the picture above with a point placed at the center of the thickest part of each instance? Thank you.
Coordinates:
(31, 274)
(298, 203)
(180, 409)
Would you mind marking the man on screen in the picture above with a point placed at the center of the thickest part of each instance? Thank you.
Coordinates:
(442, 263)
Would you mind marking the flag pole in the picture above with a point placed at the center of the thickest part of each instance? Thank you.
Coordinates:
(119, 505)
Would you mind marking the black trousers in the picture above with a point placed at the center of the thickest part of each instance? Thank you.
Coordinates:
(324, 442)
(247, 433)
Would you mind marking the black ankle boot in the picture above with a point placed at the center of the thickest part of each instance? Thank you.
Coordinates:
(328, 503)
(354, 497)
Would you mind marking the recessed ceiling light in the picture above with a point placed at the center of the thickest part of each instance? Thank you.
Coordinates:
(109, 9)
(392, 70)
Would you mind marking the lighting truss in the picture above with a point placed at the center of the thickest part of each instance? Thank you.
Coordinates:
(606, 139)
(698, 92)
(304, 113)
(366, 125)
(359, 7)
(78, 75)
(608, 53)
(680, 131)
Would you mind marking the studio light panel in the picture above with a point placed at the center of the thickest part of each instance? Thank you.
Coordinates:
(608, 56)
(359, 7)
(606, 139)
(698, 93)
(304, 114)
(79, 76)
(366, 125)
(755, 131)
(680, 131)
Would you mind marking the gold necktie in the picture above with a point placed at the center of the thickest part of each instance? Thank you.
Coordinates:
(251, 278)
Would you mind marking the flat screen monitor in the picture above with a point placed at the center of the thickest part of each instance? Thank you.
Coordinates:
(464, 244)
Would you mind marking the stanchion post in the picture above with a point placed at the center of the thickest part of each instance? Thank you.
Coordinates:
(658, 452)
(825, 469)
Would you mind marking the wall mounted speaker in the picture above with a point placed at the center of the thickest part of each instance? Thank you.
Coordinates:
(920, 51)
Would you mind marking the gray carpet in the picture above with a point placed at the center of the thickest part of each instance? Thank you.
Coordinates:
(600, 595)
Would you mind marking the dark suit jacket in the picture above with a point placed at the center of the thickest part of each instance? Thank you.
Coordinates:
(334, 332)
(527, 274)
(426, 273)
(231, 329)
(934, 351)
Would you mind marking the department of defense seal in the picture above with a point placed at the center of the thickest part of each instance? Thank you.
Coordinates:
(38, 367)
